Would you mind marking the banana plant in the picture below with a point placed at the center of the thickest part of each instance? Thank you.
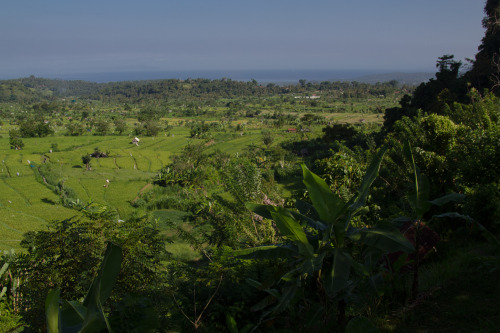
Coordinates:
(88, 317)
(420, 204)
(4, 270)
(319, 243)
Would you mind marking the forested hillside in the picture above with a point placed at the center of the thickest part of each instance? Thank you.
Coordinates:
(32, 88)
(218, 205)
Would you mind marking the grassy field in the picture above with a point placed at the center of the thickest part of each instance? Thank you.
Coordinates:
(27, 204)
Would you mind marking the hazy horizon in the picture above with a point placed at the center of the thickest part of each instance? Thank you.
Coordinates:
(261, 76)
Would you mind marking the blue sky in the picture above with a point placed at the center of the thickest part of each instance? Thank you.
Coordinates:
(54, 37)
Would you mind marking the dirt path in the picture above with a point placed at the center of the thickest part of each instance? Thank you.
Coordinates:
(142, 190)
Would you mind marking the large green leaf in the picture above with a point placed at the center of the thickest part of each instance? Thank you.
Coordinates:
(72, 316)
(488, 234)
(292, 230)
(273, 296)
(312, 265)
(328, 205)
(382, 239)
(308, 215)
(108, 273)
(307, 209)
(419, 197)
(265, 212)
(231, 324)
(52, 311)
(371, 174)
(259, 209)
(95, 320)
(75, 317)
(264, 303)
(338, 277)
(293, 274)
(267, 252)
(254, 283)
(101, 288)
(451, 197)
(307, 221)
(455, 215)
(289, 292)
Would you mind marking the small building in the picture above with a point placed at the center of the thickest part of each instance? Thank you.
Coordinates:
(135, 141)
(292, 130)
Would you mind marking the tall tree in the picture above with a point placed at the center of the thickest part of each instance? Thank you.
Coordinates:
(485, 72)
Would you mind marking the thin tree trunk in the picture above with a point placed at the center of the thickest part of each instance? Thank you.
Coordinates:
(341, 313)
(414, 287)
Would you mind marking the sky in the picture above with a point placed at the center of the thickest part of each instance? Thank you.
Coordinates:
(54, 37)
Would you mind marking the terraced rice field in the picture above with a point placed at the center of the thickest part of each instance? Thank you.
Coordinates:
(28, 204)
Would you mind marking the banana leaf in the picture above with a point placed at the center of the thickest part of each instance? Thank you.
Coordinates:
(306, 208)
(72, 316)
(231, 324)
(100, 290)
(292, 230)
(265, 212)
(52, 311)
(106, 279)
(308, 215)
(311, 265)
(419, 196)
(259, 210)
(455, 197)
(289, 292)
(89, 317)
(268, 252)
(338, 277)
(328, 205)
(371, 174)
(382, 239)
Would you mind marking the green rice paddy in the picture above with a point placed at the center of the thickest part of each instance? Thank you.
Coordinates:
(28, 204)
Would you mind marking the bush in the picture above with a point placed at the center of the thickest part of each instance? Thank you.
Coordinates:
(243, 179)
(9, 320)
(342, 172)
(287, 172)
(483, 205)
(68, 255)
(75, 129)
(15, 140)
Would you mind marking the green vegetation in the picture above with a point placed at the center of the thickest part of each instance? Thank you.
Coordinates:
(220, 205)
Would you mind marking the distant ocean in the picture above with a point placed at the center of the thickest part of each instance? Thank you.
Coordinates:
(261, 76)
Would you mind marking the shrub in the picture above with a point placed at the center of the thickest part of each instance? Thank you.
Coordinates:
(67, 256)
(15, 140)
(243, 179)
(75, 128)
(483, 205)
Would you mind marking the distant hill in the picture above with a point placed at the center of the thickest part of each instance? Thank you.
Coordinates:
(280, 77)
(402, 78)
